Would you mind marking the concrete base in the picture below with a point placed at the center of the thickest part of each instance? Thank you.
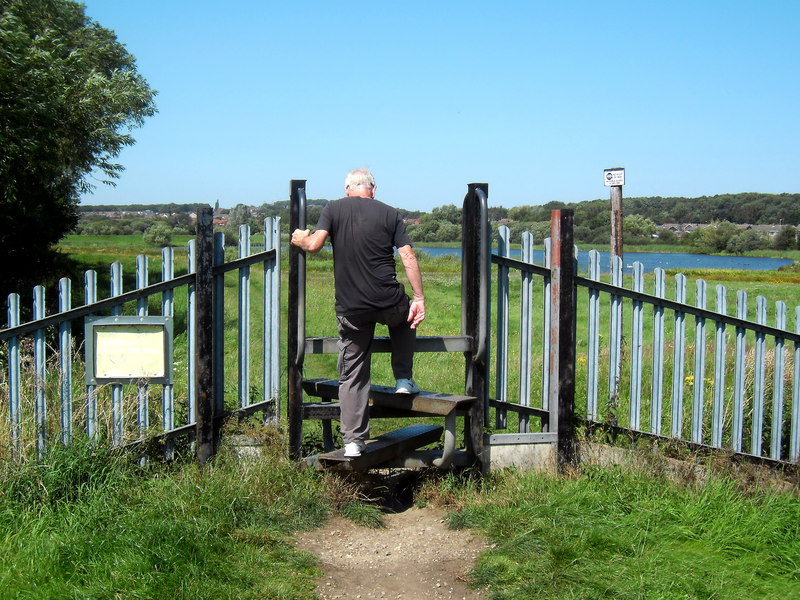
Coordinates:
(245, 447)
(535, 457)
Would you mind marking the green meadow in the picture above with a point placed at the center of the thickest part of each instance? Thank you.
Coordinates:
(89, 522)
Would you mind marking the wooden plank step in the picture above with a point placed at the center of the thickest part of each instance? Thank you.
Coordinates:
(446, 343)
(425, 403)
(384, 447)
(332, 410)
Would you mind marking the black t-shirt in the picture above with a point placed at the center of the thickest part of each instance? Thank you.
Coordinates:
(364, 233)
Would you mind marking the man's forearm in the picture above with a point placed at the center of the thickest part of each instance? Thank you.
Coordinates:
(415, 281)
(309, 242)
(413, 273)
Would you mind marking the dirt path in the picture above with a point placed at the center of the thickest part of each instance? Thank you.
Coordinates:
(416, 557)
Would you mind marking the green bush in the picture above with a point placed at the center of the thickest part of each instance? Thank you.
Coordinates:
(159, 235)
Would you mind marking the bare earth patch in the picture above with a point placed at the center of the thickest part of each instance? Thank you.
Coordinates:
(416, 557)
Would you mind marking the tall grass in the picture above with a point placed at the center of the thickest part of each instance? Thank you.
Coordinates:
(88, 523)
(625, 534)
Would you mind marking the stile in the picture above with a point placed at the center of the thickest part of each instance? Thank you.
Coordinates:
(39, 373)
(778, 372)
(720, 334)
(739, 372)
(41, 327)
(678, 358)
(794, 439)
(90, 297)
(168, 310)
(142, 278)
(296, 332)
(526, 333)
(657, 383)
(275, 312)
(593, 342)
(562, 349)
(699, 390)
(218, 324)
(142, 407)
(475, 315)
(14, 375)
(546, 337)
(636, 349)
(759, 379)
(501, 378)
(615, 335)
(206, 386)
(191, 333)
(65, 359)
(267, 298)
(116, 389)
(244, 318)
(272, 296)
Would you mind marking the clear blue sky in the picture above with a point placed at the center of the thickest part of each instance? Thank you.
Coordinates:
(692, 97)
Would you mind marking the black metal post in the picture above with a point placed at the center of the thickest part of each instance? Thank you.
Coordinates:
(296, 331)
(204, 373)
(475, 273)
(562, 336)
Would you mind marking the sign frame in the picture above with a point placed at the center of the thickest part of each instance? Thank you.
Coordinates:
(143, 345)
(614, 177)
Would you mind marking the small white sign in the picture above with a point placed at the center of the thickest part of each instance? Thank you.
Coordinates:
(612, 177)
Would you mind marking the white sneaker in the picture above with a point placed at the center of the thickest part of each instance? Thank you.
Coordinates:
(406, 386)
(354, 449)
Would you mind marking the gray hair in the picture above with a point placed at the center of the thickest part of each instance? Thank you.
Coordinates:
(359, 177)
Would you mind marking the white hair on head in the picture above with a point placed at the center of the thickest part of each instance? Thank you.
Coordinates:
(359, 177)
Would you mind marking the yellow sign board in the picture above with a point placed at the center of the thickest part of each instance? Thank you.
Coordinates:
(128, 349)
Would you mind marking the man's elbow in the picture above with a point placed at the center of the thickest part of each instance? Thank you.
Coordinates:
(407, 254)
(315, 241)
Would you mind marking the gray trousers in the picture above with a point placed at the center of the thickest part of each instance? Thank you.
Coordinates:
(356, 333)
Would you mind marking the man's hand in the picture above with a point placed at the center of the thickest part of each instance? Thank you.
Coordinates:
(310, 242)
(299, 236)
(416, 313)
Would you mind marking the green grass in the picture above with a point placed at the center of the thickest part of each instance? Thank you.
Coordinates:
(89, 524)
(625, 534)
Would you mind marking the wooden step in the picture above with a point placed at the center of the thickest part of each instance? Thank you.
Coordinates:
(383, 448)
(332, 410)
(423, 403)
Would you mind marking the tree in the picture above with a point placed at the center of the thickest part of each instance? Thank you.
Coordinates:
(522, 213)
(746, 240)
(69, 96)
(159, 234)
(667, 236)
(638, 228)
(240, 215)
(496, 213)
(786, 239)
(449, 212)
(181, 221)
(714, 238)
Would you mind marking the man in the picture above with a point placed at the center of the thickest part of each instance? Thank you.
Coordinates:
(364, 233)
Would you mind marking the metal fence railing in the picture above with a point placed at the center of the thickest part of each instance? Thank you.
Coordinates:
(650, 363)
(45, 394)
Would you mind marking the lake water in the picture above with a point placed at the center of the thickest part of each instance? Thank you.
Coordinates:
(651, 260)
